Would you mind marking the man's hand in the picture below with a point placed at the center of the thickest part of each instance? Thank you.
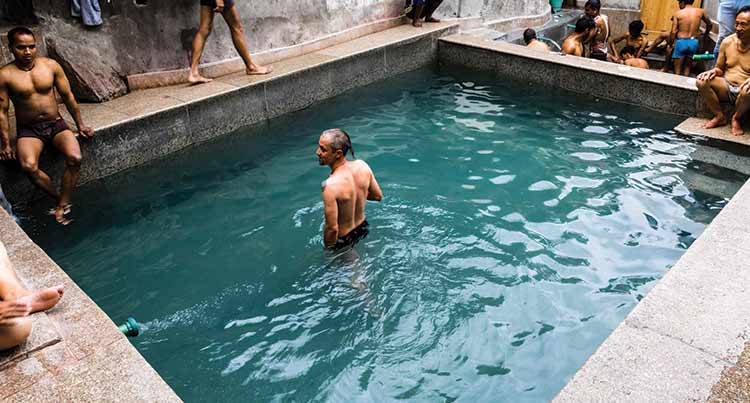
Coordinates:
(10, 310)
(86, 132)
(219, 6)
(707, 75)
(7, 153)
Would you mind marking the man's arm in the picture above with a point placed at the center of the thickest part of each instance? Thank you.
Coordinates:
(612, 45)
(708, 22)
(6, 152)
(675, 29)
(644, 44)
(373, 192)
(331, 231)
(63, 87)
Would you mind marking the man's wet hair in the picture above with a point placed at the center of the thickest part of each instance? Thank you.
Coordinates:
(595, 4)
(340, 140)
(529, 35)
(628, 50)
(584, 23)
(685, 1)
(742, 10)
(635, 28)
(13, 33)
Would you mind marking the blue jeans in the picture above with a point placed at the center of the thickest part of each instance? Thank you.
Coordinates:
(727, 12)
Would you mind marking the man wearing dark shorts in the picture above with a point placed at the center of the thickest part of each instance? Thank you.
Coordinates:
(345, 192)
(227, 10)
(30, 82)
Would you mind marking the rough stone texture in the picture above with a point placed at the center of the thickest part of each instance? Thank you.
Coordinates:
(43, 334)
(692, 325)
(694, 127)
(734, 385)
(150, 124)
(658, 91)
(85, 356)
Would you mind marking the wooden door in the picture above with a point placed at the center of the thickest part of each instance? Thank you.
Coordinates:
(657, 14)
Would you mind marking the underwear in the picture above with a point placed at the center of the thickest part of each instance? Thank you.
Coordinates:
(685, 47)
(734, 91)
(357, 234)
(45, 131)
(212, 3)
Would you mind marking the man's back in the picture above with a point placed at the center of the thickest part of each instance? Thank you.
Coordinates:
(688, 22)
(537, 44)
(351, 185)
(572, 46)
(637, 62)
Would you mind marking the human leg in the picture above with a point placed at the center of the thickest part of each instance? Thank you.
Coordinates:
(232, 18)
(713, 92)
(430, 8)
(741, 107)
(204, 30)
(67, 143)
(29, 149)
(12, 290)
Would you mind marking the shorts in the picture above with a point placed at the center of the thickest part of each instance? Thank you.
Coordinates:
(357, 234)
(734, 91)
(685, 47)
(212, 3)
(45, 131)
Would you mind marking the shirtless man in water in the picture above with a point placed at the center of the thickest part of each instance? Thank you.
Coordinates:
(17, 303)
(345, 192)
(574, 43)
(30, 82)
(532, 42)
(227, 10)
(686, 24)
(729, 81)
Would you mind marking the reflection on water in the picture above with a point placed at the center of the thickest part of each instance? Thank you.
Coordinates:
(519, 226)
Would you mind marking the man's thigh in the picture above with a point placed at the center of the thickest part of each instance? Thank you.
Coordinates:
(720, 87)
(28, 149)
(67, 143)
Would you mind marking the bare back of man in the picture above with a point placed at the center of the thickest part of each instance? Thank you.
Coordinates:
(30, 83)
(350, 185)
(539, 45)
(636, 62)
(573, 46)
(686, 24)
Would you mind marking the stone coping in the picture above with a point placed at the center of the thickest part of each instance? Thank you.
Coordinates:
(694, 127)
(75, 352)
(149, 124)
(658, 91)
(689, 328)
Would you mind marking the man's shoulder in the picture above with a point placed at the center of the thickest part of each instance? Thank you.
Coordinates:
(52, 63)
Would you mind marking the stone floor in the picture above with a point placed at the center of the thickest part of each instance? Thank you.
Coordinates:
(694, 127)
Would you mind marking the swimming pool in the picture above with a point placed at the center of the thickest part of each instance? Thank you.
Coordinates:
(519, 226)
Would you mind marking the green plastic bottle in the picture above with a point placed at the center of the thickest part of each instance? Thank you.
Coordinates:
(705, 56)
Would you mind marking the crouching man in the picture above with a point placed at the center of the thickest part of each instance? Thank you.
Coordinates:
(729, 81)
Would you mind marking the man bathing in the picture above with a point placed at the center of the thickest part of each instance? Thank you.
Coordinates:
(574, 43)
(628, 58)
(634, 38)
(529, 37)
(600, 37)
(17, 303)
(345, 192)
(729, 81)
(227, 10)
(686, 24)
(30, 82)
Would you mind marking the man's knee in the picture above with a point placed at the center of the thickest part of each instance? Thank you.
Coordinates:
(29, 165)
(73, 160)
(237, 29)
(11, 336)
(205, 29)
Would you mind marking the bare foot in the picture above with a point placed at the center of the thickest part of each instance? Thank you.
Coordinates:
(66, 209)
(60, 212)
(258, 70)
(737, 127)
(417, 23)
(718, 120)
(431, 19)
(195, 78)
(43, 299)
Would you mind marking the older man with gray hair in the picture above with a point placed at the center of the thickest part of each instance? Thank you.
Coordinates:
(345, 192)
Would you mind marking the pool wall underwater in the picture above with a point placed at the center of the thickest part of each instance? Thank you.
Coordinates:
(674, 345)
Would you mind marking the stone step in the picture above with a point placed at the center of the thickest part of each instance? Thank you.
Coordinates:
(694, 127)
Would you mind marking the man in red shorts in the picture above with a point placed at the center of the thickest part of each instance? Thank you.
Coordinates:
(227, 10)
(30, 82)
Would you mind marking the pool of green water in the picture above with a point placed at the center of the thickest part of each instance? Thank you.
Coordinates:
(519, 226)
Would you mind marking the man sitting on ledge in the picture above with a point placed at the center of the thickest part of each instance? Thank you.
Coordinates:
(729, 81)
(17, 303)
(416, 9)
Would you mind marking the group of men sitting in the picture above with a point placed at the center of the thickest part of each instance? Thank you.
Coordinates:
(728, 82)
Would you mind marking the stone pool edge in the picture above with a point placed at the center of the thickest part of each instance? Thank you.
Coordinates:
(90, 360)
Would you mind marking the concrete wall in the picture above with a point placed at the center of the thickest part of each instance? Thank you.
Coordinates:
(157, 37)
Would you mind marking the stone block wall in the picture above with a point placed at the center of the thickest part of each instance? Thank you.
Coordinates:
(157, 36)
